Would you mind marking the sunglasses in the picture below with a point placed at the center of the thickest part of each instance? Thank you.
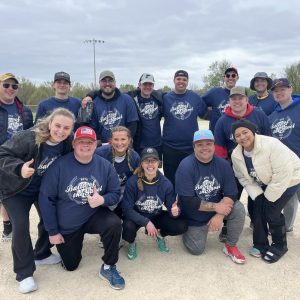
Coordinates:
(230, 75)
(13, 86)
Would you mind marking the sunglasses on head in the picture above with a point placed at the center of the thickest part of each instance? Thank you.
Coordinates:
(230, 75)
(13, 86)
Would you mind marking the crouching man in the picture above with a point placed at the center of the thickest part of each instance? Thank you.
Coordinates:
(207, 192)
(74, 200)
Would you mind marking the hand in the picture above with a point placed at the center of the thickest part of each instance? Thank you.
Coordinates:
(26, 170)
(175, 210)
(151, 229)
(223, 208)
(85, 101)
(95, 200)
(56, 239)
(215, 223)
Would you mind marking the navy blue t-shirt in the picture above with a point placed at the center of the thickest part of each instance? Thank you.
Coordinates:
(48, 105)
(208, 181)
(122, 168)
(49, 153)
(150, 115)
(216, 98)
(181, 112)
(285, 125)
(14, 122)
(66, 186)
(267, 105)
(142, 206)
(111, 113)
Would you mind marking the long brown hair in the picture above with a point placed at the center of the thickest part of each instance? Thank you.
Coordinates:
(128, 151)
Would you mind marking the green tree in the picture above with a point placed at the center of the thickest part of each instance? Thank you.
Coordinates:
(42, 92)
(215, 74)
(79, 90)
(165, 89)
(292, 72)
(26, 89)
(124, 88)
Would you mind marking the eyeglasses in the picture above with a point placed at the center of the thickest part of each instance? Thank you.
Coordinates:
(150, 161)
(13, 86)
(230, 75)
(107, 81)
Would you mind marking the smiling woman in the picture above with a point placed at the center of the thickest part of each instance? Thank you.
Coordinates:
(23, 161)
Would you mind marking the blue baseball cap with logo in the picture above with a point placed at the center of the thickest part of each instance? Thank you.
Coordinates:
(203, 134)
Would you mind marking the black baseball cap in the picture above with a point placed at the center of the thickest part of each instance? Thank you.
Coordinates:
(181, 73)
(62, 76)
(280, 82)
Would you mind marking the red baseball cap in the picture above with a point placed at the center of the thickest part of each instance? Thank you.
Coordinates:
(85, 132)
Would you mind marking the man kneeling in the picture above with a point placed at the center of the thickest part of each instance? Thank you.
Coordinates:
(207, 192)
(74, 200)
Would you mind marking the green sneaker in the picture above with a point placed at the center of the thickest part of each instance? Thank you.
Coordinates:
(132, 253)
(162, 244)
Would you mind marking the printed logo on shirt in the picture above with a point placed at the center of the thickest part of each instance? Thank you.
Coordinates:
(148, 110)
(122, 178)
(181, 110)
(282, 128)
(110, 119)
(253, 174)
(207, 187)
(149, 204)
(14, 124)
(45, 164)
(81, 187)
(222, 106)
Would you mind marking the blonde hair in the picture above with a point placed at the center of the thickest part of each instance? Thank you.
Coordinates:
(128, 151)
(42, 131)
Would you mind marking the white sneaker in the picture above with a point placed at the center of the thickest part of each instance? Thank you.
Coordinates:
(27, 285)
(53, 259)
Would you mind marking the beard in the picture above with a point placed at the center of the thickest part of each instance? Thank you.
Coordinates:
(108, 94)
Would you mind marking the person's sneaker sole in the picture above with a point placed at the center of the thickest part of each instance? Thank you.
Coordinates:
(233, 258)
(113, 287)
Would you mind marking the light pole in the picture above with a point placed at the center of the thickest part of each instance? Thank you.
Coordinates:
(94, 42)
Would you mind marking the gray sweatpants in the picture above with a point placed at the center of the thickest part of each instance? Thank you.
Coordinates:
(290, 211)
(194, 239)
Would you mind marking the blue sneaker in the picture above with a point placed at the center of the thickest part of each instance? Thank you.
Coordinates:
(112, 276)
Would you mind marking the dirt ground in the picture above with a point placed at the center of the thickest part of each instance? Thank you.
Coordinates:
(156, 275)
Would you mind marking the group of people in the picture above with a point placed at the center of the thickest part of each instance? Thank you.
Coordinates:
(99, 174)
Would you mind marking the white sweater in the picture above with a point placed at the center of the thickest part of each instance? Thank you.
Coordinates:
(275, 164)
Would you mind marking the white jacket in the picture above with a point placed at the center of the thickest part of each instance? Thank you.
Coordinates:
(275, 164)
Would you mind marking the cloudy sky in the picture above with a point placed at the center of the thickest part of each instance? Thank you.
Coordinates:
(39, 38)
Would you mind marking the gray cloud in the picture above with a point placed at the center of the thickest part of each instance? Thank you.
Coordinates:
(39, 38)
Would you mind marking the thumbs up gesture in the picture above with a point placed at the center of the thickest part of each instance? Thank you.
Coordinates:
(95, 199)
(175, 210)
(26, 170)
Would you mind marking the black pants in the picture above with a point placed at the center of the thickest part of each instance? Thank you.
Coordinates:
(18, 208)
(267, 216)
(171, 161)
(103, 222)
(166, 224)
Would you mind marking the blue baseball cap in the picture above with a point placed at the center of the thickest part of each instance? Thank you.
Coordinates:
(203, 134)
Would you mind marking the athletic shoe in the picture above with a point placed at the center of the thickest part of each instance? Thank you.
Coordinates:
(27, 285)
(132, 253)
(53, 259)
(6, 237)
(113, 277)
(255, 252)
(162, 244)
(234, 253)
(223, 235)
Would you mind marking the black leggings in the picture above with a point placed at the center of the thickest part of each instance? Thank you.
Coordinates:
(166, 224)
(18, 208)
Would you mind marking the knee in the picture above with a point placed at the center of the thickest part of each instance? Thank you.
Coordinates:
(193, 247)
(238, 210)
